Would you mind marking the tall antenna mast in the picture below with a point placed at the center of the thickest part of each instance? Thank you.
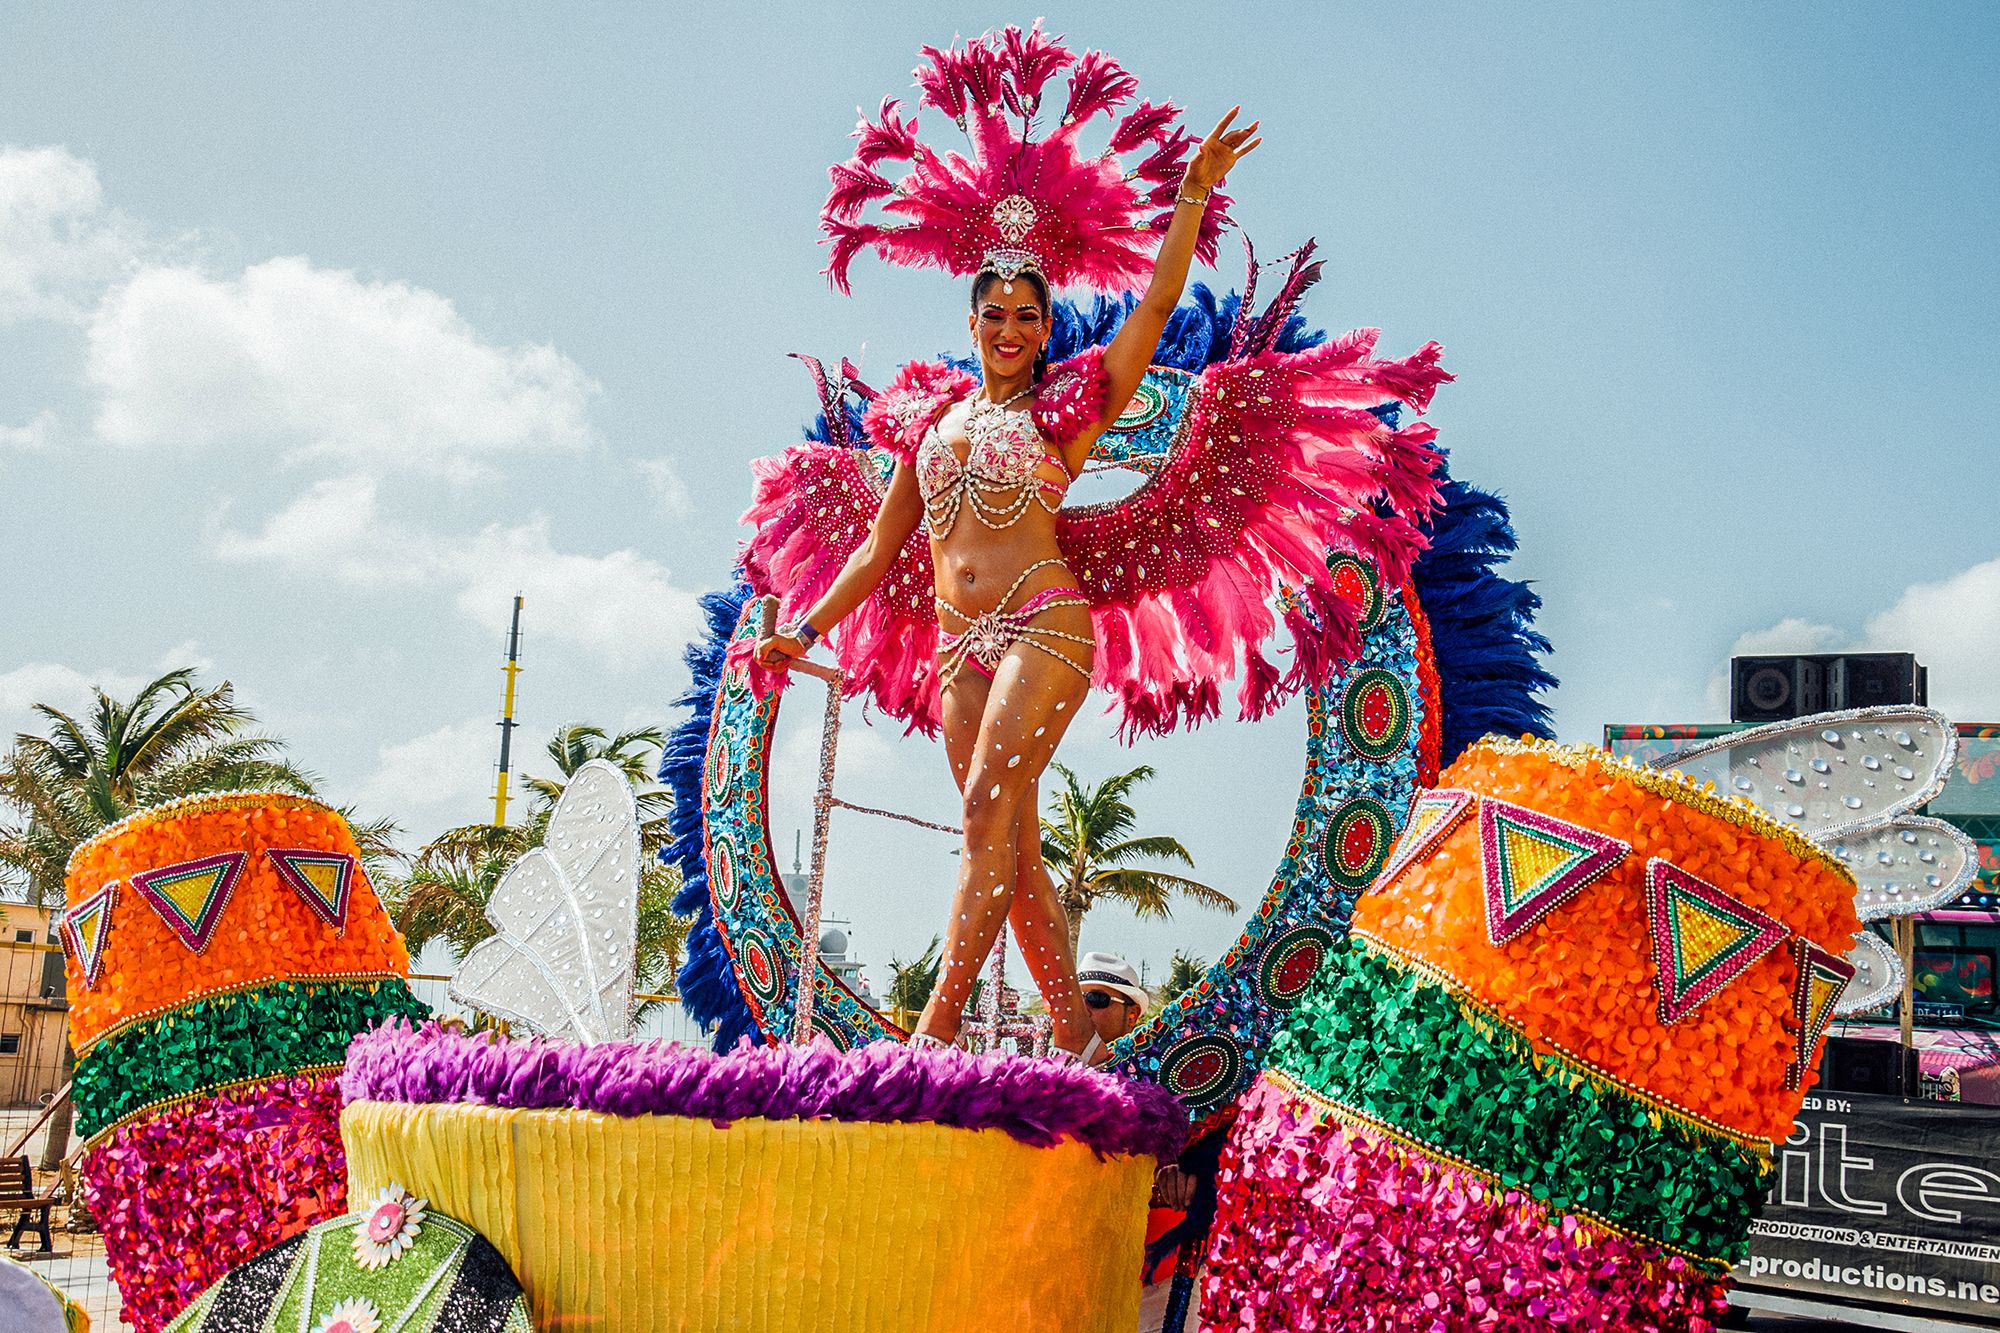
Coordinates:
(507, 723)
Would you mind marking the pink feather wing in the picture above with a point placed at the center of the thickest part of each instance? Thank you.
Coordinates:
(812, 508)
(1279, 461)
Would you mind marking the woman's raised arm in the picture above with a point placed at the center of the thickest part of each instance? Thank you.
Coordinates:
(1131, 351)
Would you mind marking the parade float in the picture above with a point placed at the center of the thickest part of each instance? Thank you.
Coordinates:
(1505, 1040)
(221, 952)
(1540, 1083)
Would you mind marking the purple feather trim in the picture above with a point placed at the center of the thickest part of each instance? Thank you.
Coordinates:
(1039, 1102)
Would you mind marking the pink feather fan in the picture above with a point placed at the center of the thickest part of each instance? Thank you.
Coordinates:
(1083, 218)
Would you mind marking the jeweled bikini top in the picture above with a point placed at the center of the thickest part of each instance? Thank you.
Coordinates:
(1004, 453)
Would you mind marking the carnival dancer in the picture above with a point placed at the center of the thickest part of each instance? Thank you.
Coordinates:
(995, 627)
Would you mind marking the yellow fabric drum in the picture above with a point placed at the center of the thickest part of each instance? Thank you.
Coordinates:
(655, 1223)
(638, 1187)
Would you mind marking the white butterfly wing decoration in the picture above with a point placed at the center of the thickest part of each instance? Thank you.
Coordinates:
(566, 917)
(1878, 976)
(1832, 774)
(1848, 781)
(1911, 864)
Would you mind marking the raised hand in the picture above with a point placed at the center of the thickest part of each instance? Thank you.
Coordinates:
(1221, 150)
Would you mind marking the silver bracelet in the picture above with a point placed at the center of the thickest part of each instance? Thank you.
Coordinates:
(1198, 203)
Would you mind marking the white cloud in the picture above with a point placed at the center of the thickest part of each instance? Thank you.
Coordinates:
(321, 364)
(67, 689)
(1953, 627)
(59, 246)
(622, 606)
(663, 482)
(443, 774)
(30, 438)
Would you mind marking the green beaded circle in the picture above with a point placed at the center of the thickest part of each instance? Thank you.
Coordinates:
(1375, 713)
(1356, 580)
(1359, 838)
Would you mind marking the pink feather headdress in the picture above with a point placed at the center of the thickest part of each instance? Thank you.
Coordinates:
(1018, 204)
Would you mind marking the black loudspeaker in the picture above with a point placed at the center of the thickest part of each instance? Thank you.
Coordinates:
(1859, 1064)
(1771, 689)
(1774, 689)
(1868, 680)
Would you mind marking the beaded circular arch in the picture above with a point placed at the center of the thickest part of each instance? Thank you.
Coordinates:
(1211, 1041)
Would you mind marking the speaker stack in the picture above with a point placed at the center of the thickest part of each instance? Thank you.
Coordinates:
(1773, 689)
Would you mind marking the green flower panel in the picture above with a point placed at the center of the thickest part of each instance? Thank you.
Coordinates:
(263, 1033)
(1385, 1042)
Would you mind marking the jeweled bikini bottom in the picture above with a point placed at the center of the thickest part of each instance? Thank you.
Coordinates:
(986, 637)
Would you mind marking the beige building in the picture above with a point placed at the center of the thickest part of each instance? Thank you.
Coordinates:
(34, 1015)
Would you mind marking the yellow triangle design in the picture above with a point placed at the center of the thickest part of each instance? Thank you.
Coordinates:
(1825, 990)
(1424, 820)
(87, 931)
(191, 893)
(1703, 935)
(1531, 860)
(324, 878)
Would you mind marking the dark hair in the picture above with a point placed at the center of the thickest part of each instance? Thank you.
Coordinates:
(1041, 286)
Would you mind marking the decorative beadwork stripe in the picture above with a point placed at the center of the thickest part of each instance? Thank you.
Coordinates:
(219, 1042)
(1674, 786)
(1376, 1041)
(202, 804)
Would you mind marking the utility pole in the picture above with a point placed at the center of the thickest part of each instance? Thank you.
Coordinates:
(507, 722)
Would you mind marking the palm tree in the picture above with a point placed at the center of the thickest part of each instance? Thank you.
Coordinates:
(451, 879)
(1185, 972)
(172, 739)
(911, 983)
(1089, 853)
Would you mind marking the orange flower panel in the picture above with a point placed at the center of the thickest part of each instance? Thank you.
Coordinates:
(267, 931)
(1582, 979)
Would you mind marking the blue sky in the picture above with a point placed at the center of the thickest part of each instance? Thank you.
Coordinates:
(325, 330)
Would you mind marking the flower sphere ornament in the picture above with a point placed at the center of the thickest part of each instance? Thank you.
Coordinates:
(355, 1316)
(388, 1227)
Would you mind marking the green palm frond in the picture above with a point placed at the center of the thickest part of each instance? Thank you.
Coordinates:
(1089, 847)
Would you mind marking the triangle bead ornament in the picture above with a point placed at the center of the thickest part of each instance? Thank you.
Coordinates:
(324, 880)
(1822, 978)
(1532, 863)
(190, 895)
(1703, 939)
(86, 927)
(1432, 815)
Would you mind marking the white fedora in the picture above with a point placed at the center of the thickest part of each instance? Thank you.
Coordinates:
(1107, 971)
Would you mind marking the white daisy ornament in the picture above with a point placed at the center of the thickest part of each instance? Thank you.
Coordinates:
(355, 1316)
(386, 1229)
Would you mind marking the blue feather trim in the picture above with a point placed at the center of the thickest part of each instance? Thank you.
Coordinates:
(1482, 625)
(707, 980)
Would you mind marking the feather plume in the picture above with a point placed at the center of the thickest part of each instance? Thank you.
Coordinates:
(1097, 84)
(982, 72)
(1166, 163)
(942, 85)
(888, 138)
(1032, 60)
(847, 240)
(855, 185)
(1146, 122)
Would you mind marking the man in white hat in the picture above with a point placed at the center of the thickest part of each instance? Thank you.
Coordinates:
(1111, 990)
(1117, 1002)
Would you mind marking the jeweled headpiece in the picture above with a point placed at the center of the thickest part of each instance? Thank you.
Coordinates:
(1019, 204)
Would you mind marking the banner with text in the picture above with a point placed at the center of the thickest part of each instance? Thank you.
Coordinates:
(1882, 1202)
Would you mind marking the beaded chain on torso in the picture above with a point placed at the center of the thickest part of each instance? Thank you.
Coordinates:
(1003, 450)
